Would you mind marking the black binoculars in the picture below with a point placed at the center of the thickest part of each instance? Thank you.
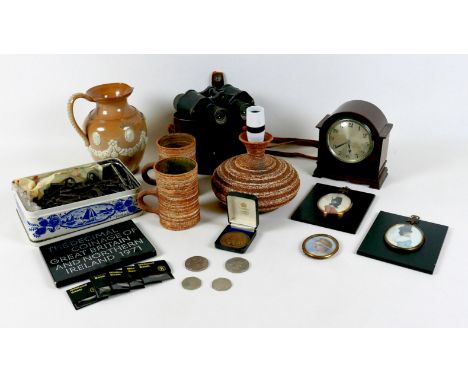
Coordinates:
(215, 116)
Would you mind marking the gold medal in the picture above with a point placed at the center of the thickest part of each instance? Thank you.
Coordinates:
(234, 239)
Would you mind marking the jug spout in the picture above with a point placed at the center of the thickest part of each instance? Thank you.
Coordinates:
(109, 92)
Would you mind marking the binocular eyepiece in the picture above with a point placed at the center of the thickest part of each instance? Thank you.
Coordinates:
(218, 104)
(194, 105)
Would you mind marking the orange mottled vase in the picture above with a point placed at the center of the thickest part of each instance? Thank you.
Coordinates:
(114, 129)
(272, 180)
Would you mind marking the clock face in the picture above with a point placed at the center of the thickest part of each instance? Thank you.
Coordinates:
(349, 141)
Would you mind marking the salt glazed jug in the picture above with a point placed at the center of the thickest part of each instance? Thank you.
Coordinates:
(114, 129)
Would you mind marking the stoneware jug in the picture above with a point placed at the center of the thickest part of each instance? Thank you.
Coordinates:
(114, 129)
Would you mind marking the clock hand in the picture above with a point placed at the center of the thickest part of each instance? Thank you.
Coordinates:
(342, 144)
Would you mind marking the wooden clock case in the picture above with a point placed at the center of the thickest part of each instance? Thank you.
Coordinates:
(372, 170)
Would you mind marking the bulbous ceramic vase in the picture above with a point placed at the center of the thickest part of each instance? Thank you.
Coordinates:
(272, 180)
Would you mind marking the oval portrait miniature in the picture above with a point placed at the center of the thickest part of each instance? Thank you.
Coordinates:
(320, 246)
(334, 204)
(404, 236)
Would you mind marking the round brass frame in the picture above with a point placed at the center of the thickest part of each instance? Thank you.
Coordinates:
(410, 249)
(319, 257)
(340, 214)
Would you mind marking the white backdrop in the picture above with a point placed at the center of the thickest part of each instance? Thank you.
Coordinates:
(425, 97)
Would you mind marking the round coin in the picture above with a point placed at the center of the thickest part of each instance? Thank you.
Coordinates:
(237, 265)
(191, 283)
(221, 284)
(196, 263)
(235, 239)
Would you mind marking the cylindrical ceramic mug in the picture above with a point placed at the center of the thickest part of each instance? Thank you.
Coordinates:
(169, 146)
(177, 192)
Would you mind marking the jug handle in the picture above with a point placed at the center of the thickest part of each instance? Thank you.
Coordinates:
(71, 115)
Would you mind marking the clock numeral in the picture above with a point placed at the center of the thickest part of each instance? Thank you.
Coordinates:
(364, 135)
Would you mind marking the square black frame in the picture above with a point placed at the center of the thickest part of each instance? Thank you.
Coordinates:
(308, 212)
(424, 259)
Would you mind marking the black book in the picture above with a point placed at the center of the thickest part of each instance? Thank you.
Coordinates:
(78, 258)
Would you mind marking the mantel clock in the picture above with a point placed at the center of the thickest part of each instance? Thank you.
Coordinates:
(353, 143)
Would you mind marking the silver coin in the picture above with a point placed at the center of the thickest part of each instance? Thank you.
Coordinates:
(191, 283)
(196, 263)
(221, 284)
(237, 265)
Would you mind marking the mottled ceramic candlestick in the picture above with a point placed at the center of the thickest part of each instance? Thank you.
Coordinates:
(272, 180)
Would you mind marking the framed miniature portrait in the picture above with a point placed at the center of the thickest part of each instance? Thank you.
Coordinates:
(320, 246)
(406, 241)
(334, 204)
(338, 208)
(404, 236)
